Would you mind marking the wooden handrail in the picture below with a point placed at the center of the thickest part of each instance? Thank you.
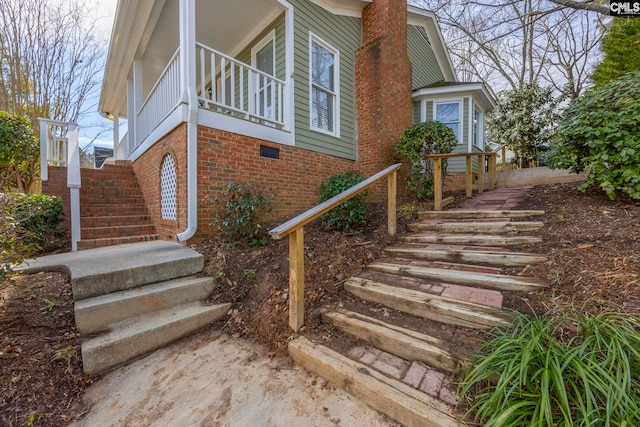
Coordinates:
(437, 173)
(294, 229)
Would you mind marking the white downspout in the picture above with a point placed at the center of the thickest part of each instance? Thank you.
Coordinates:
(187, 67)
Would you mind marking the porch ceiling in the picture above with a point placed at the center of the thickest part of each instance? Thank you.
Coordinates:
(149, 30)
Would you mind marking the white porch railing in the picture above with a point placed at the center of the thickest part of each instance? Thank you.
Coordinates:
(238, 89)
(162, 99)
(59, 147)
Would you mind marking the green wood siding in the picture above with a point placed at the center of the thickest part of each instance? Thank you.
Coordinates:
(429, 115)
(344, 34)
(424, 65)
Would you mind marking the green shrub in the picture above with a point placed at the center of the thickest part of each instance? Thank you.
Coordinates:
(13, 246)
(421, 140)
(577, 370)
(600, 134)
(350, 214)
(238, 211)
(39, 214)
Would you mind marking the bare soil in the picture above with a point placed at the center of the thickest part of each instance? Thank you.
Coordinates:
(593, 244)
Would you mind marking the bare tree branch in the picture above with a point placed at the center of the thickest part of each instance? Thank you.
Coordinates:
(585, 5)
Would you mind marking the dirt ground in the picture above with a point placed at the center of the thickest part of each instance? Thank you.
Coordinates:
(593, 244)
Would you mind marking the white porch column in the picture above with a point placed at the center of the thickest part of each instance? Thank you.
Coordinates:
(73, 182)
(187, 46)
(131, 116)
(137, 98)
(118, 153)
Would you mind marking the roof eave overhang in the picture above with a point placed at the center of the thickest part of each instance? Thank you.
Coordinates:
(479, 90)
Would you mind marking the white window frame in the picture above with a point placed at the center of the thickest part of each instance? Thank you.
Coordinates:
(253, 90)
(460, 114)
(313, 38)
(477, 137)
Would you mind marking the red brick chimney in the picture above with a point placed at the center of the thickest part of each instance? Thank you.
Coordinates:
(383, 83)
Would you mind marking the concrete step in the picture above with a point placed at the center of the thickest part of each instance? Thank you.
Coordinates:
(477, 227)
(113, 241)
(399, 401)
(120, 230)
(473, 214)
(466, 255)
(117, 268)
(97, 313)
(133, 338)
(470, 239)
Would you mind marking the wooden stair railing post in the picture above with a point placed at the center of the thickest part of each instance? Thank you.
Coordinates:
(294, 229)
(296, 279)
(437, 184)
(469, 177)
(481, 159)
(392, 190)
(493, 158)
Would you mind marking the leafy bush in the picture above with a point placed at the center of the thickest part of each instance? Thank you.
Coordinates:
(39, 214)
(350, 214)
(421, 140)
(13, 246)
(19, 152)
(238, 211)
(538, 372)
(524, 121)
(600, 134)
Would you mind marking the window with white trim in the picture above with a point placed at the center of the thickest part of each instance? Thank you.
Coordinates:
(263, 57)
(478, 137)
(324, 85)
(448, 113)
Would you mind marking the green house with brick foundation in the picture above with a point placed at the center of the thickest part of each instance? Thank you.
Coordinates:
(284, 93)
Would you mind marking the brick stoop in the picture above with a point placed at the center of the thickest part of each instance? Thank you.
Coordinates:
(112, 208)
(430, 298)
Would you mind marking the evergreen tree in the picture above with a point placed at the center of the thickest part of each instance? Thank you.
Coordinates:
(621, 47)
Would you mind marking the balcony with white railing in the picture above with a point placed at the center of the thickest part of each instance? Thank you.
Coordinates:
(224, 85)
(238, 89)
(163, 98)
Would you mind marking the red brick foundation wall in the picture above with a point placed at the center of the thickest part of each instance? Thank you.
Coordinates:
(57, 186)
(383, 84)
(224, 158)
(293, 179)
(147, 168)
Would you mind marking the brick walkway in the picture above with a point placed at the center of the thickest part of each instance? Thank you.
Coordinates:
(499, 199)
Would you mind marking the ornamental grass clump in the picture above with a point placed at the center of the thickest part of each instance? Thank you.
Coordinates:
(576, 370)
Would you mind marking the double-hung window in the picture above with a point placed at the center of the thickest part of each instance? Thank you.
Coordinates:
(324, 87)
(263, 87)
(448, 113)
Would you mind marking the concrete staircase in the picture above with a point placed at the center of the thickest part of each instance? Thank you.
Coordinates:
(445, 282)
(112, 208)
(133, 299)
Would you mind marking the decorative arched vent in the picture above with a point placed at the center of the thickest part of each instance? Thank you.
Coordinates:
(168, 188)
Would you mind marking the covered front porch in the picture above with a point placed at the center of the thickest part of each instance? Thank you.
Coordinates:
(222, 65)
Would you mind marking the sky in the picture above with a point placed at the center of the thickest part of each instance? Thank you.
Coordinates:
(93, 125)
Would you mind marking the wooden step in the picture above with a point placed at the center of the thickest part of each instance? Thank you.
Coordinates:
(428, 306)
(477, 227)
(471, 214)
(481, 280)
(480, 257)
(402, 342)
(471, 239)
(393, 398)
